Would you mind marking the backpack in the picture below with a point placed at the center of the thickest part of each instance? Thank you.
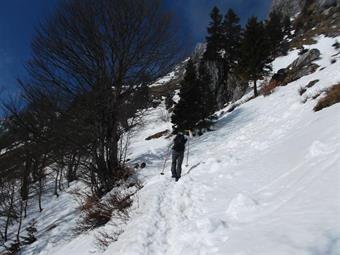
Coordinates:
(179, 143)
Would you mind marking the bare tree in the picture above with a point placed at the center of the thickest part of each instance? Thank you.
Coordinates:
(89, 63)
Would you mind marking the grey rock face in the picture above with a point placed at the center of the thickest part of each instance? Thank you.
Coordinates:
(305, 59)
(292, 7)
(302, 66)
(287, 7)
(225, 92)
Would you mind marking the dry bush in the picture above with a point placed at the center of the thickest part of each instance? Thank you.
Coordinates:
(97, 212)
(122, 174)
(332, 97)
(268, 88)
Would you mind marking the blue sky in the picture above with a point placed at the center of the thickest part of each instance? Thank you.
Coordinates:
(19, 18)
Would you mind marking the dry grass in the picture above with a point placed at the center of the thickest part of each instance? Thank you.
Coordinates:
(332, 97)
(269, 88)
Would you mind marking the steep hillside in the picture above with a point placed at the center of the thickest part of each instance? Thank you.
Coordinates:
(265, 181)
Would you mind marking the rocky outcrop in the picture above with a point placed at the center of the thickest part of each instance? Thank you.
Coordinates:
(302, 66)
(225, 92)
(287, 7)
(292, 7)
(305, 59)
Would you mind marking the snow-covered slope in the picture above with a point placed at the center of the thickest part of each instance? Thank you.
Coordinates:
(265, 181)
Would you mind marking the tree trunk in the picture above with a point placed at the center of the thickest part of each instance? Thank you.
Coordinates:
(255, 88)
(40, 194)
(56, 184)
(25, 208)
(60, 182)
(20, 221)
(9, 214)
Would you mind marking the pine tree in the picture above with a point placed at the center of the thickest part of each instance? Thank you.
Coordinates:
(197, 102)
(208, 102)
(215, 36)
(187, 111)
(275, 32)
(255, 52)
(231, 40)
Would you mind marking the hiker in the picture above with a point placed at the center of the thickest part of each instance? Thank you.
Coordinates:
(178, 155)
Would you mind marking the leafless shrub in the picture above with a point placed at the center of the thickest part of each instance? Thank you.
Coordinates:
(97, 212)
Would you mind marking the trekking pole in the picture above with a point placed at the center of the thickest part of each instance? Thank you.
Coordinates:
(187, 164)
(190, 135)
(166, 159)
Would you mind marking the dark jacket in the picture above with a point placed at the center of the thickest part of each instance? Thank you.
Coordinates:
(179, 143)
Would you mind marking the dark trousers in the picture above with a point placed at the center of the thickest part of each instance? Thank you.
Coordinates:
(176, 167)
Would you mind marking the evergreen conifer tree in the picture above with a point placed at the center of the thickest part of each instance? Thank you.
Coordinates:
(275, 33)
(187, 111)
(255, 52)
(215, 36)
(231, 40)
(208, 101)
(197, 102)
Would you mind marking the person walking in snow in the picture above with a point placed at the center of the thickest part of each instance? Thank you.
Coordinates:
(178, 155)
